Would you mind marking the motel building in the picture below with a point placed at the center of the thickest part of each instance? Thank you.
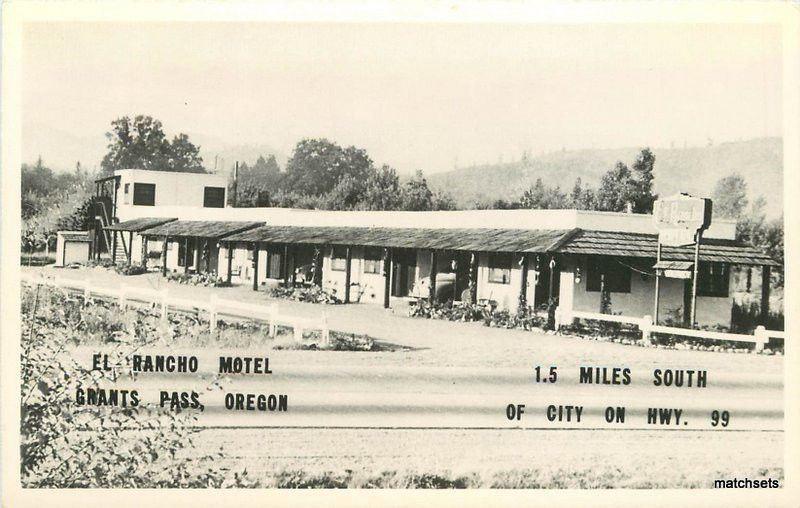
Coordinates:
(176, 222)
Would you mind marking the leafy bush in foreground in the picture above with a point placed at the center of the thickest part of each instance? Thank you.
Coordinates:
(64, 444)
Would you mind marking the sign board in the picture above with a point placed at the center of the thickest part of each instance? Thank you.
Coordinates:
(677, 274)
(682, 211)
(677, 237)
(679, 217)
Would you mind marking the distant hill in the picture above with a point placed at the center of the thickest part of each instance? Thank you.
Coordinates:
(694, 169)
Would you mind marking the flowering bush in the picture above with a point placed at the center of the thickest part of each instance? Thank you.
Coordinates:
(198, 279)
(126, 269)
(313, 294)
(525, 319)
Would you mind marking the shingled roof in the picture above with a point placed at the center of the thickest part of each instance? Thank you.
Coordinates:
(608, 243)
(477, 239)
(139, 224)
(200, 228)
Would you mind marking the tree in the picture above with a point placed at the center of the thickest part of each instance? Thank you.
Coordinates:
(416, 194)
(541, 197)
(616, 189)
(730, 197)
(642, 184)
(317, 165)
(382, 190)
(141, 144)
(622, 189)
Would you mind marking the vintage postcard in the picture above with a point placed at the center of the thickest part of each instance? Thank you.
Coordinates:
(348, 254)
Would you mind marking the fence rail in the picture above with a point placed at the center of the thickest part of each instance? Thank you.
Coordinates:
(760, 336)
(214, 308)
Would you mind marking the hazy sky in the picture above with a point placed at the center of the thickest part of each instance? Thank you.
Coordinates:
(414, 95)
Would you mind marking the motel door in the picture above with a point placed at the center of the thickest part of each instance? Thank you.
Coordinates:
(542, 291)
(404, 267)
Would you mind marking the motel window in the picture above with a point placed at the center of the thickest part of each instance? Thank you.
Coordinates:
(144, 194)
(126, 198)
(214, 197)
(617, 277)
(339, 259)
(372, 259)
(500, 267)
(713, 279)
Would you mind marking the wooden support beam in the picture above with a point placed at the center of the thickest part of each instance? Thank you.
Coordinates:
(523, 287)
(766, 272)
(130, 247)
(144, 251)
(285, 265)
(473, 278)
(318, 260)
(164, 256)
(551, 289)
(432, 275)
(347, 273)
(292, 257)
(387, 277)
(255, 266)
(229, 252)
(186, 255)
(114, 248)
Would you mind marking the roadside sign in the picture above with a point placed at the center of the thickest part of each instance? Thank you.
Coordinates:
(678, 274)
(682, 211)
(676, 237)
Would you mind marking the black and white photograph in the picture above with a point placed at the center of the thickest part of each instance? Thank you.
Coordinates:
(342, 247)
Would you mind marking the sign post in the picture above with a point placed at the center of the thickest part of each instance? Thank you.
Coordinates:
(680, 220)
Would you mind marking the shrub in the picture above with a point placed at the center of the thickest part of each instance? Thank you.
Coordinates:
(64, 444)
(313, 294)
(126, 269)
(197, 279)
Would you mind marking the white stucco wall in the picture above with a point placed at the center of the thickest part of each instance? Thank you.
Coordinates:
(641, 299)
(172, 190)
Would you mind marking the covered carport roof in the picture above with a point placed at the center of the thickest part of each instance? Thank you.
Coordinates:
(468, 239)
(572, 241)
(200, 228)
(140, 224)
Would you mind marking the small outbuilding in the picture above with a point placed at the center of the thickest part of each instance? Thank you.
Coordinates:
(72, 247)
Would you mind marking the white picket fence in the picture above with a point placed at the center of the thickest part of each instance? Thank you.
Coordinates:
(214, 308)
(760, 336)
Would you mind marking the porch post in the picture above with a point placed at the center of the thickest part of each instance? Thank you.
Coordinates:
(114, 248)
(473, 278)
(658, 286)
(698, 238)
(523, 289)
(292, 257)
(318, 260)
(229, 251)
(387, 276)
(130, 247)
(286, 265)
(164, 256)
(144, 251)
(766, 272)
(552, 272)
(432, 288)
(186, 255)
(347, 270)
(255, 266)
